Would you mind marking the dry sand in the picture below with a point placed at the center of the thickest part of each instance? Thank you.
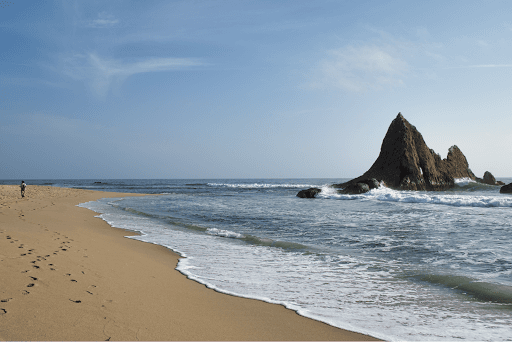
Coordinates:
(66, 275)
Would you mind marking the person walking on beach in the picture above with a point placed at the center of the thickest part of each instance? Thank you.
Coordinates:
(23, 186)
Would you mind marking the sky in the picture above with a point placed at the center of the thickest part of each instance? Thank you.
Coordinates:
(248, 89)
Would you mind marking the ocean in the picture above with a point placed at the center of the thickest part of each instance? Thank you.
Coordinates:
(397, 265)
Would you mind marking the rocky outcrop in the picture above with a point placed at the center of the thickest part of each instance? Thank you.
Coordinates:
(309, 193)
(506, 189)
(489, 178)
(362, 186)
(405, 162)
(354, 189)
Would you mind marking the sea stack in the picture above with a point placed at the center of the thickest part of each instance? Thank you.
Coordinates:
(405, 162)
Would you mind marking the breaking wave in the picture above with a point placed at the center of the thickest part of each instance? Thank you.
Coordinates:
(464, 181)
(478, 289)
(258, 185)
(464, 199)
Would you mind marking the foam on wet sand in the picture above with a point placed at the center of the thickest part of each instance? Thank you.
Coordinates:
(67, 275)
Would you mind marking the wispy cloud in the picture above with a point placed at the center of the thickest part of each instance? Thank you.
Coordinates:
(100, 73)
(104, 20)
(488, 66)
(358, 68)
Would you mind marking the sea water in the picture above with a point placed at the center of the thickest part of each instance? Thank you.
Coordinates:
(397, 265)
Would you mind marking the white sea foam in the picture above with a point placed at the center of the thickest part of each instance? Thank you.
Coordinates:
(224, 233)
(339, 288)
(390, 195)
(463, 181)
(259, 185)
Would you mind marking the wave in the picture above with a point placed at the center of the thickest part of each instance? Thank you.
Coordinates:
(390, 195)
(478, 289)
(250, 239)
(224, 233)
(259, 185)
(464, 181)
(254, 240)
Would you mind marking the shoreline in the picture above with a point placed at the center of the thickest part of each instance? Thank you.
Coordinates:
(71, 276)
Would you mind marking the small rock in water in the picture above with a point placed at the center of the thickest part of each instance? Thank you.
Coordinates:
(506, 189)
(309, 193)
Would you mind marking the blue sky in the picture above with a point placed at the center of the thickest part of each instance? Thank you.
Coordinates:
(248, 89)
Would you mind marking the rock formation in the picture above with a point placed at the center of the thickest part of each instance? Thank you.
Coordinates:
(405, 162)
(506, 189)
(309, 193)
(488, 179)
(360, 187)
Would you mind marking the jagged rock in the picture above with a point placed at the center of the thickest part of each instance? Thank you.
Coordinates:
(360, 187)
(309, 193)
(357, 188)
(506, 189)
(489, 178)
(499, 183)
(405, 162)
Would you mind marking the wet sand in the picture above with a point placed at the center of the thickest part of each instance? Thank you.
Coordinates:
(67, 275)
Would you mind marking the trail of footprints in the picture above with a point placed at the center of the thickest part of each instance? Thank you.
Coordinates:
(42, 261)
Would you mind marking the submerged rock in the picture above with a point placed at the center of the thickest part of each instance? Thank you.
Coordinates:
(309, 193)
(506, 189)
(405, 162)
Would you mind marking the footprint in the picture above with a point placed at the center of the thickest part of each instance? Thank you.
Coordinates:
(89, 292)
(76, 301)
(35, 266)
(2, 311)
(25, 292)
(74, 281)
(31, 285)
(5, 300)
(33, 278)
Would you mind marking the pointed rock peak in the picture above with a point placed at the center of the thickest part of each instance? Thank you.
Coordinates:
(405, 162)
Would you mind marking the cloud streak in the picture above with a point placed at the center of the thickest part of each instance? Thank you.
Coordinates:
(489, 66)
(104, 20)
(358, 68)
(100, 73)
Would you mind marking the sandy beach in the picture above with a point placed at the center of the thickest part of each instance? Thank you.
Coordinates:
(67, 275)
